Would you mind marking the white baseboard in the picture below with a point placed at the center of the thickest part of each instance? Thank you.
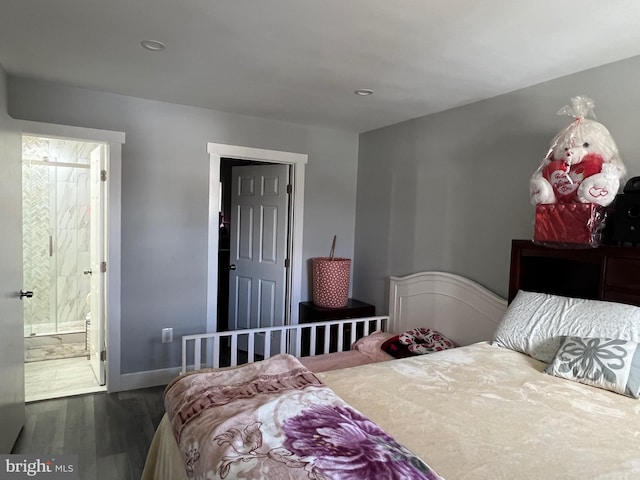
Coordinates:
(148, 378)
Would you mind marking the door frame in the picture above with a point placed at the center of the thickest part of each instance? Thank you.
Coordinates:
(97, 238)
(113, 141)
(297, 161)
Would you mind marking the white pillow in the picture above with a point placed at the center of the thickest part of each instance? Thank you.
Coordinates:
(537, 323)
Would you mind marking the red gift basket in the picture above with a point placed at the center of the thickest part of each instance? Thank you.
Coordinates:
(570, 223)
(577, 180)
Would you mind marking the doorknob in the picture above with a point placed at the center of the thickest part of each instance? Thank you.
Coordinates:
(87, 272)
(232, 266)
(28, 294)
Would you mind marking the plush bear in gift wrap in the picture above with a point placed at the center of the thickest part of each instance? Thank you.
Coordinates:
(583, 164)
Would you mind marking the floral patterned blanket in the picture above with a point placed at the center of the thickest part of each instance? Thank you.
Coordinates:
(276, 419)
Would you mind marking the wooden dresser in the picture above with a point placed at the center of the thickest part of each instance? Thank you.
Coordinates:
(604, 273)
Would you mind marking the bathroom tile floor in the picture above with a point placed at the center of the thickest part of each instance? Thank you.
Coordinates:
(59, 378)
(38, 353)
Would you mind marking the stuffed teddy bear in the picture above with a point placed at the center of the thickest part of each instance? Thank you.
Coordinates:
(583, 164)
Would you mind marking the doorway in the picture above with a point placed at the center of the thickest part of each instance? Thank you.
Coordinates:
(216, 320)
(64, 212)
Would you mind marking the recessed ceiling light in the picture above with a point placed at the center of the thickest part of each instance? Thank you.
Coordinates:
(153, 45)
(363, 92)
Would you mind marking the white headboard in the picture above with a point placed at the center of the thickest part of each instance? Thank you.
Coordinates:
(459, 308)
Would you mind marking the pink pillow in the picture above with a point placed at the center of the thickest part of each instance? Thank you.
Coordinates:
(371, 345)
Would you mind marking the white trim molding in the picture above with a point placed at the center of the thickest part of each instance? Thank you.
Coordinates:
(148, 378)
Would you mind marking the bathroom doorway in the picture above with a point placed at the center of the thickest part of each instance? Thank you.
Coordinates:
(64, 213)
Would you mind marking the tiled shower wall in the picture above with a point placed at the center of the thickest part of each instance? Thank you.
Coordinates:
(56, 204)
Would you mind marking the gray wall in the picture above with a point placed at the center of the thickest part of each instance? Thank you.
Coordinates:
(165, 199)
(449, 191)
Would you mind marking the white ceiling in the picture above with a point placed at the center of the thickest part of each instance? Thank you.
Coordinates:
(301, 60)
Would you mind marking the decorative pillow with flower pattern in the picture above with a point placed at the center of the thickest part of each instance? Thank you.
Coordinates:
(417, 341)
(605, 363)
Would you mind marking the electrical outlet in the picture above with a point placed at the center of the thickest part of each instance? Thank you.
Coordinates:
(167, 335)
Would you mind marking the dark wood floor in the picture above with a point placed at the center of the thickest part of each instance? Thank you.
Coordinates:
(110, 433)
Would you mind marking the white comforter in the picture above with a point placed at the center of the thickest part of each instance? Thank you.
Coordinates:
(481, 412)
(485, 412)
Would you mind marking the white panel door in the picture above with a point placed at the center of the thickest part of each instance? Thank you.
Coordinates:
(97, 256)
(11, 311)
(257, 275)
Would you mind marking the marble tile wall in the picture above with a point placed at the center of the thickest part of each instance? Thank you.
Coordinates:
(70, 227)
(36, 260)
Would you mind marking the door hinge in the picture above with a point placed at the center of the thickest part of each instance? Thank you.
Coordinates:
(289, 189)
(103, 175)
(103, 355)
(286, 263)
(103, 267)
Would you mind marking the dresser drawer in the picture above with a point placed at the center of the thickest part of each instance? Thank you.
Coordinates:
(622, 273)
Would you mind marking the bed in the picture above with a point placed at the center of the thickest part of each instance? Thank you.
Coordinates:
(485, 410)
